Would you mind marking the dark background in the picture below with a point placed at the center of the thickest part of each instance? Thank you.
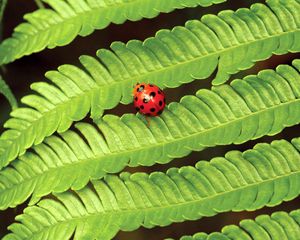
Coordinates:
(21, 73)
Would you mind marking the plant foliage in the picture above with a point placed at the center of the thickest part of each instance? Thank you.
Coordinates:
(264, 176)
(60, 24)
(226, 114)
(68, 175)
(232, 41)
(280, 225)
(6, 91)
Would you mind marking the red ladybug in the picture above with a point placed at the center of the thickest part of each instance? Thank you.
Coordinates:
(149, 99)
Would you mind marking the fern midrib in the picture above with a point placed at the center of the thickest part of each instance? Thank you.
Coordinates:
(78, 164)
(171, 205)
(111, 85)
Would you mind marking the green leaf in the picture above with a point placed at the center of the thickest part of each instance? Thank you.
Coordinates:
(232, 41)
(263, 176)
(246, 109)
(59, 25)
(278, 226)
(5, 90)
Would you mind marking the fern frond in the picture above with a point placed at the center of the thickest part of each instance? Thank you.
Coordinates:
(246, 109)
(5, 90)
(230, 41)
(263, 176)
(280, 225)
(59, 25)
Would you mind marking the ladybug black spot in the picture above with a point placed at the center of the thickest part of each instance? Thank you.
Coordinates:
(137, 108)
(160, 103)
(152, 94)
(136, 98)
(142, 106)
(152, 109)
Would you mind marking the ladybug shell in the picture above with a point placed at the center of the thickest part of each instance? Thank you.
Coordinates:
(149, 99)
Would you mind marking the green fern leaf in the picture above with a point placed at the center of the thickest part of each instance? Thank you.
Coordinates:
(246, 109)
(5, 90)
(232, 41)
(65, 20)
(280, 225)
(264, 176)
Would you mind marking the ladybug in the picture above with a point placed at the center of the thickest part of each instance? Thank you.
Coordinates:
(149, 99)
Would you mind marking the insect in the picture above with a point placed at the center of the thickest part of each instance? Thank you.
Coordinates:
(149, 99)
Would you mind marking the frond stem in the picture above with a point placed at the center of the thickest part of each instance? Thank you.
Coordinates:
(39, 3)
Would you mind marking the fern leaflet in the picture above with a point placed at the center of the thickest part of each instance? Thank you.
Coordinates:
(246, 109)
(280, 225)
(65, 20)
(232, 41)
(264, 176)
